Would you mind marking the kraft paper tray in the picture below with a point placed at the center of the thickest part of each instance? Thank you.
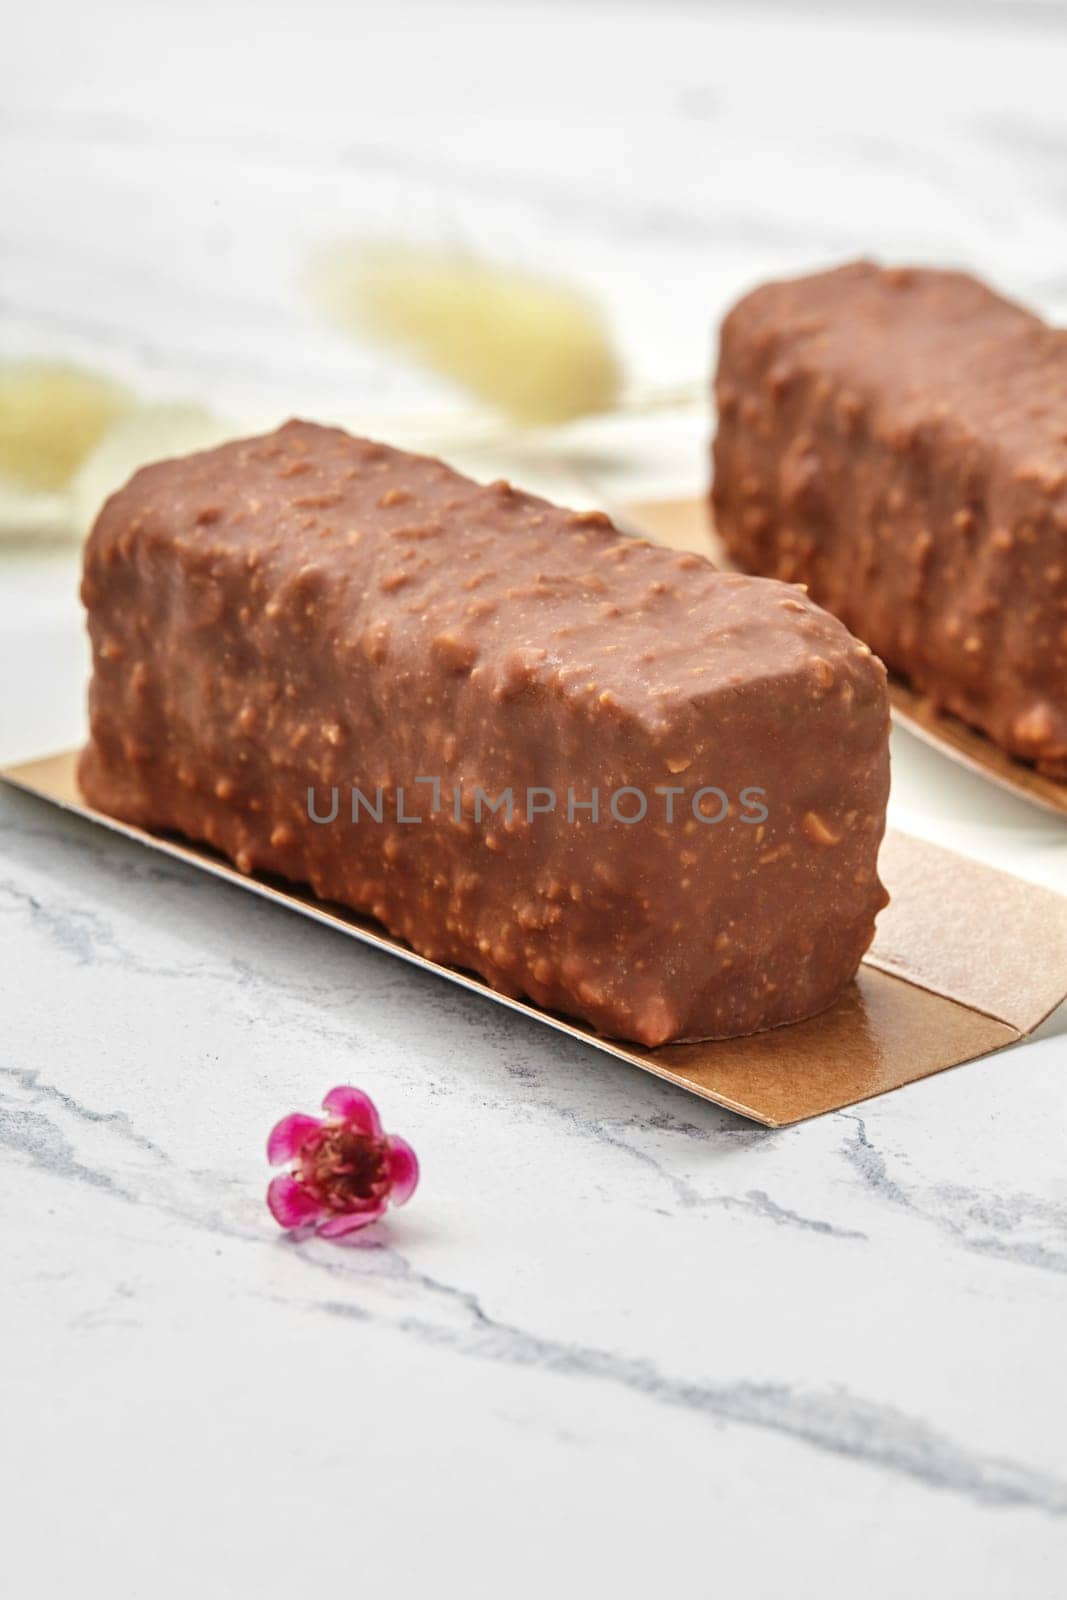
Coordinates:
(966, 960)
(685, 524)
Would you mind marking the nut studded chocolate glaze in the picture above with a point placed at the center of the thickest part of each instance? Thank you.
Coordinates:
(312, 611)
(897, 439)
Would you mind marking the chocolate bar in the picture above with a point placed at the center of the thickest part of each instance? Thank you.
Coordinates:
(897, 440)
(598, 773)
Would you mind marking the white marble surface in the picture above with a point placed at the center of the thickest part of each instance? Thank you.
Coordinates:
(621, 1342)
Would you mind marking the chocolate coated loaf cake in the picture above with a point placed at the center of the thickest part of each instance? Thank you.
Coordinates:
(335, 661)
(898, 441)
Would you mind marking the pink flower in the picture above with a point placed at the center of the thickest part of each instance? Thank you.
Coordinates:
(345, 1170)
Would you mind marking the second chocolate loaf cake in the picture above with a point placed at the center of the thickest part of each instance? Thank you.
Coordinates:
(599, 773)
(898, 441)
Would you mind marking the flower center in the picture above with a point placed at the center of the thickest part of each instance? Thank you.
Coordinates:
(346, 1169)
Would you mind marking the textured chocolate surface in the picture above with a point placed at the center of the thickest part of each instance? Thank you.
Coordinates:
(897, 439)
(310, 610)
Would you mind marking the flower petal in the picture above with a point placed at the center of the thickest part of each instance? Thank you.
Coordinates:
(290, 1204)
(403, 1170)
(348, 1222)
(355, 1107)
(288, 1135)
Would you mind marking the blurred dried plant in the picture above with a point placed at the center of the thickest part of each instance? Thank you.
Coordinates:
(532, 348)
(51, 416)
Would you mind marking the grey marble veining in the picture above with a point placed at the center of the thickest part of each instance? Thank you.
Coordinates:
(619, 1264)
(621, 1341)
